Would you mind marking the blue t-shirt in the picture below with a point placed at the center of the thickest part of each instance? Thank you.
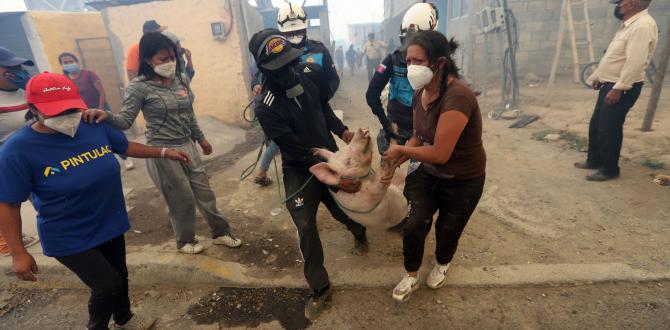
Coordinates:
(75, 185)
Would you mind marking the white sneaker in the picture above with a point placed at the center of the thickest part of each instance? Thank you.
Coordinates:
(191, 248)
(228, 241)
(407, 285)
(438, 276)
(129, 164)
(136, 323)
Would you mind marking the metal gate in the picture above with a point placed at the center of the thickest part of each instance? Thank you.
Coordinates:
(96, 55)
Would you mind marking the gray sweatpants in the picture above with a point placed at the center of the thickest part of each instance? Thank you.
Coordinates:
(184, 187)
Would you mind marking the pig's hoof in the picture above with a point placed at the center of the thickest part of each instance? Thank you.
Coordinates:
(361, 246)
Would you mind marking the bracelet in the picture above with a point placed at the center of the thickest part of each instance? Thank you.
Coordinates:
(163, 152)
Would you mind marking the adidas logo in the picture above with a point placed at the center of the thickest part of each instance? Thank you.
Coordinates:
(307, 70)
(299, 202)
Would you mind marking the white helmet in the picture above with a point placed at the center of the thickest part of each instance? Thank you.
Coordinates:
(420, 17)
(291, 17)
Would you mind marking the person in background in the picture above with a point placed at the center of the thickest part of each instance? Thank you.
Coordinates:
(339, 59)
(184, 56)
(69, 170)
(373, 50)
(393, 70)
(447, 141)
(133, 55)
(13, 109)
(352, 58)
(164, 96)
(619, 79)
(90, 88)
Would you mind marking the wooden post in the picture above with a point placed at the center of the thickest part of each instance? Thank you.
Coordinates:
(573, 40)
(658, 84)
(557, 55)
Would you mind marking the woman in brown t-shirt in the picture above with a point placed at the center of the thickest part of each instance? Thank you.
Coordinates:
(447, 140)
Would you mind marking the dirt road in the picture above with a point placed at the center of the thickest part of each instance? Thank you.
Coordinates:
(606, 306)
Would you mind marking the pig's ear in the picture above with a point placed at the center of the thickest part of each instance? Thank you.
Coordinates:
(323, 172)
(323, 153)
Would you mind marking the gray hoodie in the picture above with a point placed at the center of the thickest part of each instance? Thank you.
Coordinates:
(168, 112)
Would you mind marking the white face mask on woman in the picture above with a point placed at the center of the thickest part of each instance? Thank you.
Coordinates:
(419, 76)
(64, 124)
(166, 70)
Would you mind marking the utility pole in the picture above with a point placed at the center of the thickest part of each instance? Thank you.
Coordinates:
(658, 84)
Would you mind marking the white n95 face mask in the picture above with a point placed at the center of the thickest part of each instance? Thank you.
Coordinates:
(296, 39)
(166, 70)
(419, 76)
(65, 124)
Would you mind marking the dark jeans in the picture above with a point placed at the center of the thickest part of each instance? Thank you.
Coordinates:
(372, 65)
(303, 207)
(455, 200)
(606, 129)
(103, 269)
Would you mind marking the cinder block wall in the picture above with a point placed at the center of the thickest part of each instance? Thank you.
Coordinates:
(219, 84)
(538, 22)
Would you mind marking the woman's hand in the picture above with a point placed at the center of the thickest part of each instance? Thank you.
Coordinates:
(178, 155)
(94, 116)
(206, 147)
(24, 266)
(393, 154)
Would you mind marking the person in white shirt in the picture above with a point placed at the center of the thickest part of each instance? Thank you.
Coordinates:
(13, 108)
(373, 50)
(619, 78)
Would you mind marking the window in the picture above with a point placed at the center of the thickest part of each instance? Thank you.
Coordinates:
(314, 22)
(459, 8)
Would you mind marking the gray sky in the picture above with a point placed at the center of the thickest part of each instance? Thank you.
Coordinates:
(12, 5)
(342, 12)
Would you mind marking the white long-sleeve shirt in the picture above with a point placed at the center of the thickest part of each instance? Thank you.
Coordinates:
(629, 53)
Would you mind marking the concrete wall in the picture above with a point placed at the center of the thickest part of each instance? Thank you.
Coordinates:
(58, 32)
(538, 22)
(219, 84)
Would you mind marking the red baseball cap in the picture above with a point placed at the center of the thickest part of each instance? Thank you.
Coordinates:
(53, 94)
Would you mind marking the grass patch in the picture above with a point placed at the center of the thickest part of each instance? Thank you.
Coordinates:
(653, 164)
(575, 141)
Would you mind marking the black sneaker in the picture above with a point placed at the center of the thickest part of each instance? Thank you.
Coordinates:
(600, 176)
(361, 246)
(317, 303)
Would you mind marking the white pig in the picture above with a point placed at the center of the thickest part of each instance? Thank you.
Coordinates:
(374, 205)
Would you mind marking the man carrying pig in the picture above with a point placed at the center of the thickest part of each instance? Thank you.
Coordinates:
(291, 112)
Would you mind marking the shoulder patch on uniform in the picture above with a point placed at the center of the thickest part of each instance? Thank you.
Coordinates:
(269, 99)
(381, 69)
